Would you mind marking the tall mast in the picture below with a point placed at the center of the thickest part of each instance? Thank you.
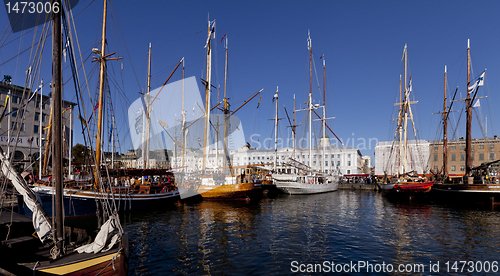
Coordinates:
(468, 135)
(183, 132)
(276, 131)
(324, 115)
(207, 95)
(226, 112)
(400, 125)
(405, 110)
(309, 46)
(101, 91)
(146, 136)
(293, 127)
(57, 168)
(445, 128)
(40, 129)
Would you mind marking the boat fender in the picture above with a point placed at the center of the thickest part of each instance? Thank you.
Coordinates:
(164, 190)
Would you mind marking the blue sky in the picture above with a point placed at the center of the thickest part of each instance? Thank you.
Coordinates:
(362, 42)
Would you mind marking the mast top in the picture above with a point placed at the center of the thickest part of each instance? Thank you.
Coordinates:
(445, 69)
(468, 43)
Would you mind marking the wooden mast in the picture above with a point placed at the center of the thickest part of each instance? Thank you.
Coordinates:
(183, 131)
(445, 129)
(146, 135)
(57, 166)
(226, 114)
(324, 114)
(207, 97)
(468, 134)
(309, 46)
(276, 132)
(405, 111)
(101, 93)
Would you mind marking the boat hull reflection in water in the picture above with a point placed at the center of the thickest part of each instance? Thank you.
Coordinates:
(264, 237)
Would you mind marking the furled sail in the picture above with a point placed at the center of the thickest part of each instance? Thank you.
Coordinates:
(103, 238)
(40, 218)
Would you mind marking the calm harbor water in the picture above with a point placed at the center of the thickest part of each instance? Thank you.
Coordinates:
(321, 233)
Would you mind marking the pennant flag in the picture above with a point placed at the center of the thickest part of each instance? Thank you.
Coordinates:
(14, 111)
(404, 52)
(47, 127)
(479, 82)
(259, 101)
(477, 104)
(222, 38)
(66, 110)
(211, 34)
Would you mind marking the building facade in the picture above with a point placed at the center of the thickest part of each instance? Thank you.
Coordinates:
(387, 157)
(28, 122)
(483, 150)
(347, 160)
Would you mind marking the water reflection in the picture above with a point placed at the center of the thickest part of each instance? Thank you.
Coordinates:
(264, 237)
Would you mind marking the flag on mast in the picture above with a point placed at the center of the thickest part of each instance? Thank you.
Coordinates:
(479, 81)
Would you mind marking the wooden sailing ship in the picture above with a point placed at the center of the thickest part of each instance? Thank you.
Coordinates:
(480, 184)
(225, 182)
(131, 189)
(405, 181)
(56, 249)
(293, 177)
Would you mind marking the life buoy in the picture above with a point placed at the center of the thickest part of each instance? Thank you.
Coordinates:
(164, 190)
(50, 178)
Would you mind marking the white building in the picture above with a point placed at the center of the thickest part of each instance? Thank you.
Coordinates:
(387, 161)
(25, 123)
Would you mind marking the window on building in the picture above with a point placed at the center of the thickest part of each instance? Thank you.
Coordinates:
(348, 171)
(462, 147)
(481, 157)
(35, 128)
(462, 156)
(462, 168)
(473, 158)
(37, 116)
(333, 156)
(338, 163)
(435, 157)
(453, 147)
(348, 163)
(435, 148)
(492, 146)
(453, 168)
(326, 163)
(435, 168)
(453, 157)
(338, 155)
(492, 156)
(473, 147)
(348, 155)
(481, 146)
